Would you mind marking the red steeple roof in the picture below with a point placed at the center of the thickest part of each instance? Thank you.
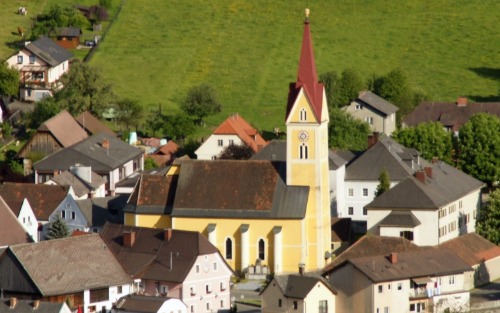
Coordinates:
(307, 76)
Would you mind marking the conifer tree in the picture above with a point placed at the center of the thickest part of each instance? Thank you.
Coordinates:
(384, 183)
(58, 229)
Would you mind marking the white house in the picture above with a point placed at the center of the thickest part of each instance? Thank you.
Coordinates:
(149, 304)
(41, 63)
(233, 131)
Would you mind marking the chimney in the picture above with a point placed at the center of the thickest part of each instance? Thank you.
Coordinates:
(167, 234)
(105, 143)
(128, 239)
(435, 160)
(36, 304)
(420, 175)
(13, 302)
(462, 101)
(428, 171)
(393, 258)
(302, 266)
(373, 139)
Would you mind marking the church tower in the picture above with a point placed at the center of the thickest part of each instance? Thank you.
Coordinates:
(307, 153)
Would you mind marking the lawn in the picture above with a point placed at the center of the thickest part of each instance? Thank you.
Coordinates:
(248, 50)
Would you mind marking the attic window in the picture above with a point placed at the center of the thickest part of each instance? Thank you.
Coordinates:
(303, 115)
(32, 59)
(19, 59)
(358, 106)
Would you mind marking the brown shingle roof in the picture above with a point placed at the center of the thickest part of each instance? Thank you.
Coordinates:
(449, 113)
(64, 128)
(42, 198)
(472, 248)
(236, 125)
(93, 125)
(11, 231)
(371, 246)
(143, 304)
(153, 194)
(149, 256)
(28, 306)
(70, 265)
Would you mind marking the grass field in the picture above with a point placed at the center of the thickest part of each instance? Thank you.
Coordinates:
(249, 50)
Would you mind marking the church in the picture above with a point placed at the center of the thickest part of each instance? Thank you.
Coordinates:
(275, 213)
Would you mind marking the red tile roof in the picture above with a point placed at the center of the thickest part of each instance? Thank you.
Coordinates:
(472, 248)
(11, 231)
(236, 125)
(169, 149)
(307, 77)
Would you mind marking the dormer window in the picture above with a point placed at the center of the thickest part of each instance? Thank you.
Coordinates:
(32, 59)
(358, 106)
(303, 115)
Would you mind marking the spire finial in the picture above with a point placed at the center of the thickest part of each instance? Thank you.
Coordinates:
(307, 15)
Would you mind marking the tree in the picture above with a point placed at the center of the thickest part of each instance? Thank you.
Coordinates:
(58, 16)
(178, 127)
(330, 80)
(346, 132)
(488, 221)
(44, 109)
(128, 112)
(384, 183)
(430, 139)
(84, 90)
(149, 164)
(58, 229)
(9, 80)
(479, 147)
(236, 152)
(340, 91)
(105, 3)
(189, 148)
(201, 101)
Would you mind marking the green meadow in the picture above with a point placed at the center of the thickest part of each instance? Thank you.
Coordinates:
(248, 50)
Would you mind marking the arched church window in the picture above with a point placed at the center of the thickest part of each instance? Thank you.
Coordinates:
(303, 151)
(262, 249)
(303, 115)
(229, 249)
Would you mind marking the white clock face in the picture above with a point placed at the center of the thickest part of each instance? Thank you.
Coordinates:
(303, 135)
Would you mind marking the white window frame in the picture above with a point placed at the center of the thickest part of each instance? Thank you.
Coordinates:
(220, 142)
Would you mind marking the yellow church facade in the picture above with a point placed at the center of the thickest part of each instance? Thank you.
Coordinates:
(256, 211)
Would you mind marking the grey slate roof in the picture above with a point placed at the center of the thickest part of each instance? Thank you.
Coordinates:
(70, 265)
(385, 154)
(400, 219)
(138, 303)
(68, 31)
(28, 306)
(377, 102)
(446, 185)
(46, 49)
(90, 152)
(101, 210)
(80, 186)
(414, 264)
(299, 286)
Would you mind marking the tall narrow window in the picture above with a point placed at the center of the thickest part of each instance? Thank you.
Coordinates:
(304, 151)
(262, 247)
(229, 249)
(303, 115)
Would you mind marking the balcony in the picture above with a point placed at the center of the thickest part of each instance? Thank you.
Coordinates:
(424, 293)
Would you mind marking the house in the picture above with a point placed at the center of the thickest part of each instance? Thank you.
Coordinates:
(79, 270)
(374, 110)
(67, 37)
(298, 293)
(439, 203)
(272, 213)
(480, 254)
(429, 280)
(92, 125)
(165, 154)
(14, 305)
(11, 230)
(106, 155)
(451, 114)
(14, 110)
(84, 182)
(149, 304)
(33, 204)
(127, 185)
(99, 211)
(341, 234)
(58, 132)
(233, 131)
(174, 264)
(41, 64)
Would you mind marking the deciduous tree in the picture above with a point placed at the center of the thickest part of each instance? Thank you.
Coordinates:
(488, 221)
(201, 101)
(128, 112)
(44, 109)
(346, 132)
(178, 127)
(58, 229)
(236, 152)
(479, 147)
(9, 80)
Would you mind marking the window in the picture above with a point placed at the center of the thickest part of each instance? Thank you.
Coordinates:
(99, 295)
(460, 204)
(303, 115)
(365, 211)
(406, 234)
(119, 289)
(388, 286)
(365, 192)
(386, 309)
(400, 286)
(222, 286)
(63, 214)
(208, 306)
(208, 288)
(32, 59)
(262, 248)
(323, 306)
(350, 210)
(412, 307)
(279, 303)
(369, 120)
(192, 309)
(452, 280)
(164, 290)
(192, 289)
(215, 266)
(358, 106)
(380, 288)
(38, 75)
(295, 305)
(221, 303)
(351, 192)
(303, 152)
(229, 249)
(19, 59)
(73, 215)
(220, 142)
(24, 220)
(197, 268)
(28, 92)
(231, 142)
